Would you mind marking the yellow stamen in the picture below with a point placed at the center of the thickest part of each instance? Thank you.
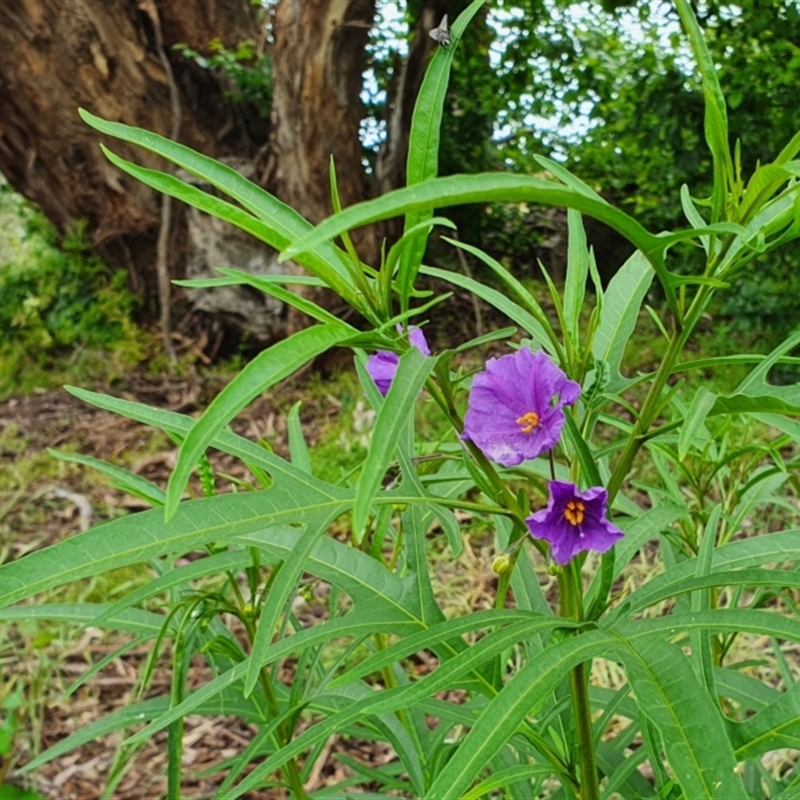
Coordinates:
(573, 513)
(528, 421)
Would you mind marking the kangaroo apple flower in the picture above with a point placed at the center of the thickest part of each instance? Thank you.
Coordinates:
(382, 365)
(574, 521)
(515, 406)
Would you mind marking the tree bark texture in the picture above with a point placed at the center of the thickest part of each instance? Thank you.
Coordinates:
(318, 61)
(103, 55)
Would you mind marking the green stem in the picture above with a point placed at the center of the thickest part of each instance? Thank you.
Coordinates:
(652, 404)
(579, 686)
(570, 590)
(290, 769)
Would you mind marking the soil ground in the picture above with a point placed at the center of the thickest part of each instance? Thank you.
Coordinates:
(41, 507)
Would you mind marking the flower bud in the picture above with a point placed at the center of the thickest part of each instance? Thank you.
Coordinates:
(502, 564)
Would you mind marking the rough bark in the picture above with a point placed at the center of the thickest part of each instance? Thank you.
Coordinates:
(102, 55)
(318, 61)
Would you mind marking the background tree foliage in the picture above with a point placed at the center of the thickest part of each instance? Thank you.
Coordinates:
(607, 88)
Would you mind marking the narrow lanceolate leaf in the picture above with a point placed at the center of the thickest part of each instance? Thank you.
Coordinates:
(621, 305)
(143, 536)
(297, 443)
(694, 423)
(423, 146)
(774, 547)
(688, 719)
(127, 481)
(746, 404)
(279, 592)
(458, 190)
(267, 369)
(180, 577)
(144, 624)
(542, 331)
(499, 300)
(776, 726)
(412, 371)
(716, 114)
(524, 694)
(226, 441)
(284, 223)
(577, 275)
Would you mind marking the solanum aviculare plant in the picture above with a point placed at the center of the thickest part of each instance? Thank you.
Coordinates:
(544, 440)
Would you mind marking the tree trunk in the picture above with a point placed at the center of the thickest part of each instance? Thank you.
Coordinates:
(103, 55)
(318, 60)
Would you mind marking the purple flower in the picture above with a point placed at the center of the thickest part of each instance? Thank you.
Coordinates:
(514, 410)
(382, 366)
(574, 521)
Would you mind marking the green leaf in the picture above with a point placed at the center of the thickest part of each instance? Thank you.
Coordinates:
(9, 792)
(364, 579)
(144, 624)
(693, 215)
(541, 328)
(500, 301)
(702, 659)
(716, 115)
(567, 178)
(777, 218)
(142, 536)
(275, 289)
(124, 480)
(438, 633)
(355, 625)
(483, 188)
(620, 313)
(639, 531)
(577, 275)
(748, 404)
(135, 714)
(181, 424)
(505, 777)
(752, 576)
(586, 459)
(693, 429)
(775, 726)
(423, 146)
(739, 620)
(523, 695)
(688, 719)
(268, 368)
(283, 223)
(218, 563)
(297, 443)
(774, 547)
(412, 372)
(763, 184)
(290, 570)
(755, 384)
(235, 277)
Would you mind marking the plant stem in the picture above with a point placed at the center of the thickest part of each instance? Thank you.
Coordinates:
(579, 687)
(570, 590)
(652, 402)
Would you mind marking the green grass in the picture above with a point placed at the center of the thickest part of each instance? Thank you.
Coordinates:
(64, 316)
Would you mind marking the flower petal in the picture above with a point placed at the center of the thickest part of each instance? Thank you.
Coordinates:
(382, 366)
(521, 385)
(574, 521)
